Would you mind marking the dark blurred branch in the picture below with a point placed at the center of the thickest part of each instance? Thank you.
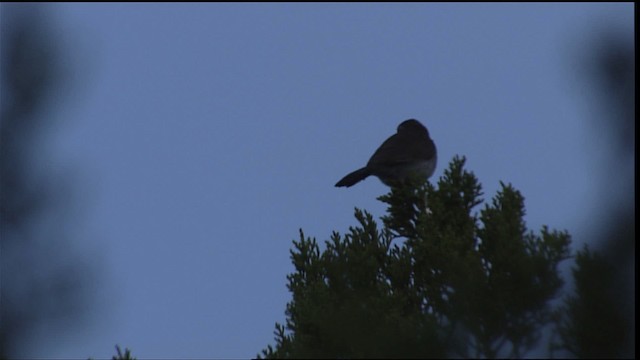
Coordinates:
(598, 319)
(616, 75)
(614, 72)
(38, 281)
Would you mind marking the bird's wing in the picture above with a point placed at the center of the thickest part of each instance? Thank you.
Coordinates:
(397, 150)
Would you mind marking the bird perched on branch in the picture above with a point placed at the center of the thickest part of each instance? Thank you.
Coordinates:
(408, 151)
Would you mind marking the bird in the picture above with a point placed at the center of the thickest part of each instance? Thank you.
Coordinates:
(409, 151)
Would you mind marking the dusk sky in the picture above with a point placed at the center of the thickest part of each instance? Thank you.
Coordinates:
(202, 136)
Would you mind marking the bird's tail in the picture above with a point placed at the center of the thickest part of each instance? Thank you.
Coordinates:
(354, 177)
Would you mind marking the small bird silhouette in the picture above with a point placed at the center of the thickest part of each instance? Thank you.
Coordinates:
(408, 151)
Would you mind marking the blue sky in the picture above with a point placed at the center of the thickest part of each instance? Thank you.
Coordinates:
(203, 136)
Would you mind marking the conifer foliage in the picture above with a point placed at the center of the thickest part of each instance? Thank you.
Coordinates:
(438, 278)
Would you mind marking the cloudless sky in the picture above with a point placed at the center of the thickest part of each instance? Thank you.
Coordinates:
(203, 136)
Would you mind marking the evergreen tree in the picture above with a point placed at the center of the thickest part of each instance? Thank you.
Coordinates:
(438, 279)
(590, 323)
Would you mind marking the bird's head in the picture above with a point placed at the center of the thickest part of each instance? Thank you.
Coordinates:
(412, 126)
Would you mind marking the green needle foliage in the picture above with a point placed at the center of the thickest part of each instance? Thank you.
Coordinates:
(438, 279)
(126, 355)
(591, 324)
